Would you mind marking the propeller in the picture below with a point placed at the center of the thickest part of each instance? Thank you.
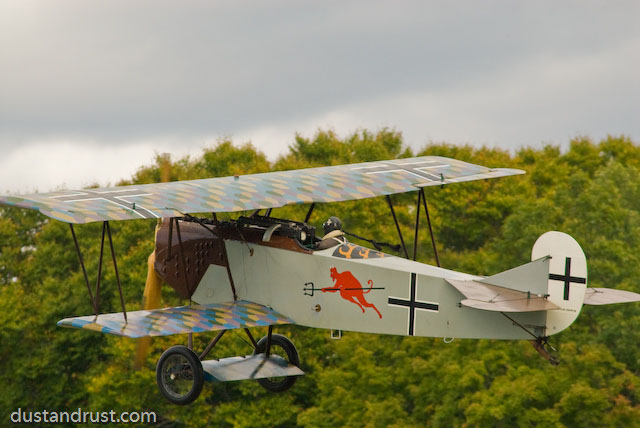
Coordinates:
(153, 286)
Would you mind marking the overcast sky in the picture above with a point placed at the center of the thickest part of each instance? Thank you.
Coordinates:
(89, 91)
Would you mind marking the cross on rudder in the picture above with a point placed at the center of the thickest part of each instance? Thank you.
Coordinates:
(567, 278)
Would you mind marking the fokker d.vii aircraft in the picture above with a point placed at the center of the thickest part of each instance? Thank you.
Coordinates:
(258, 270)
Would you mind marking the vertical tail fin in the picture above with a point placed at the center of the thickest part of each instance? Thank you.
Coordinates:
(567, 281)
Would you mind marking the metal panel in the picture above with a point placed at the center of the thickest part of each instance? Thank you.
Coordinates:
(248, 367)
(214, 286)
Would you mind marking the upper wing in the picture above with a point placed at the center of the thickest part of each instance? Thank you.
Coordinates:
(254, 191)
(182, 319)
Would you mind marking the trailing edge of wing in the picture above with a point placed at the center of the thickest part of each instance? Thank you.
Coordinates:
(254, 191)
(608, 296)
(182, 319)
(499, 299)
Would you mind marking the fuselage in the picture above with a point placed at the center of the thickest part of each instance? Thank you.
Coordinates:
(347, 287)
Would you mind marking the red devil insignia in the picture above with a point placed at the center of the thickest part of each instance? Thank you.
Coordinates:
(351, 289)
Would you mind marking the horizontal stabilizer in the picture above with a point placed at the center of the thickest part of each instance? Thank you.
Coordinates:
(249, 367)
(608, 296)
(181, 319)
(499, 299)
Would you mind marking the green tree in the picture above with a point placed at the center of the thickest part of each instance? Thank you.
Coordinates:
(590, 190)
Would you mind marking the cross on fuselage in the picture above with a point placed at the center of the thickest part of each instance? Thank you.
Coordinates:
(412, 304)
(567, 278)
(116, 197)
(416, 168)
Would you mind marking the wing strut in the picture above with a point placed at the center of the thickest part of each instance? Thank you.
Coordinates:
(395, 220)
(306, 219)
(226, 264)
(84, 270)
(100, 267)
(433, 241)
(212, 344)
(415, 238)
(95, 300)
(115, 267)
(184, 264)
(422, 198)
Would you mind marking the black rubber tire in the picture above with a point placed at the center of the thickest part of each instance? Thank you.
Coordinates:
(186, 365)
(278, 340)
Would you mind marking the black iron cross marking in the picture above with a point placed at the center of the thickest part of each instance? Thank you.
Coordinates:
(116, 197)
(417, 168)
(567, 278)
(412, 304)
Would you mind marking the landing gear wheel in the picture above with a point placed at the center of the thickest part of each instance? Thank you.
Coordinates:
(179, 374)
(280, 345)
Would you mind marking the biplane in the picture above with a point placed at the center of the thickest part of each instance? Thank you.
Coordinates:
(258, 270)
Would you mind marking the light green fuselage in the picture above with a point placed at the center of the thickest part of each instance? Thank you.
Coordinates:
(291, 283)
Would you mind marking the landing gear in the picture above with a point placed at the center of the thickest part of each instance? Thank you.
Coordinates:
(274, 364)
(179, 374)
(284, 348)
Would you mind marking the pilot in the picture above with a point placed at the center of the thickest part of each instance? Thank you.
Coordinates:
(333, 234)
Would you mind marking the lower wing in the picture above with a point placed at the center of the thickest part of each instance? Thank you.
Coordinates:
(181, 319)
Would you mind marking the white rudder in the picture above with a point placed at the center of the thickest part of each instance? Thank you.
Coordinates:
(567, 281)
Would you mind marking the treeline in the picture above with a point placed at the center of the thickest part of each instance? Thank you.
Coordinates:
(591, 191)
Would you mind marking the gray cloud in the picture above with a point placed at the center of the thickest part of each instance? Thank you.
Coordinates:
(117, 72)
(125, 68)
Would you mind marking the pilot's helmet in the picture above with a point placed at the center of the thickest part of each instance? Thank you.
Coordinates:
(332, 223)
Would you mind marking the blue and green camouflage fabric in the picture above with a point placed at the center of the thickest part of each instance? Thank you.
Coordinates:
(254, 191)
(182, 319)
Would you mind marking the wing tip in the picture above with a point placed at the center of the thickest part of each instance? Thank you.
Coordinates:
(609, 296)
(509, 171)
